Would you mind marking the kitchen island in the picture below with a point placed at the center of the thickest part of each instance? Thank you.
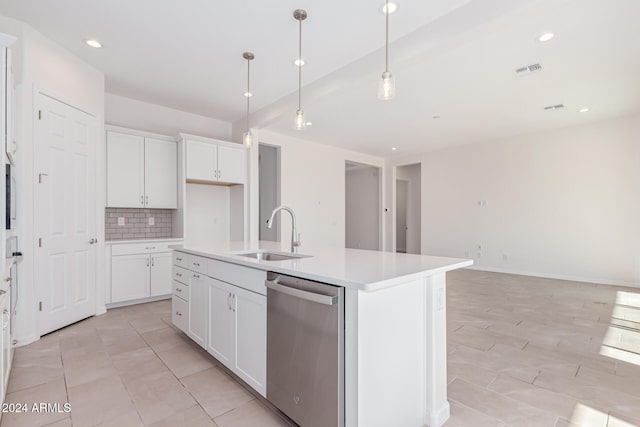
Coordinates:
(394, 322)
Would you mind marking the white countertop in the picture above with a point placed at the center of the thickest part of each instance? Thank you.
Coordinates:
(352, 268)
(127, 241)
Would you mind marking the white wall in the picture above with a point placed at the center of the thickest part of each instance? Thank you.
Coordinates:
(207, 214)
(411, 174)
(362, 220)
(47, 67)
(560, 204)
(134, 114)
(313, 185)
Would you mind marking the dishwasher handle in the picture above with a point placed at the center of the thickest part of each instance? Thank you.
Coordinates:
(299, 293)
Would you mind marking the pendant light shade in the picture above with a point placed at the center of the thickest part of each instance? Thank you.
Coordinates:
(300, 122)
(247, 137)
(387, 84)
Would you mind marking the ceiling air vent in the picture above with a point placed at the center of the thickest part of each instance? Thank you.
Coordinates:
(527, 70)
(554, 107)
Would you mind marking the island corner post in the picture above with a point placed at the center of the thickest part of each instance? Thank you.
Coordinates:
(396, 355)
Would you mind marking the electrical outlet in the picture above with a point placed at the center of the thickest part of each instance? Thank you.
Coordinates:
(152, 221)
(120, 220)
(467, 254)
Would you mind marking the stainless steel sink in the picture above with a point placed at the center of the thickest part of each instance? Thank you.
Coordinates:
(272, 256)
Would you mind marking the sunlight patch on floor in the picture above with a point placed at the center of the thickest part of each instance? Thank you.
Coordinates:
(622, 340)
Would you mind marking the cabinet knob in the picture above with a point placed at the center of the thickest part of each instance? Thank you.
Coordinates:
(178, 313)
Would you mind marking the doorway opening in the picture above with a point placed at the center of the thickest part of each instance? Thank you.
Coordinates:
(408, 209)
(362, 206)
(269, 191)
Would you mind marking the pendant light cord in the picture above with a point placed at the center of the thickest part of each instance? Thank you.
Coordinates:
(248, 90)
(386, 45)
(300, 64)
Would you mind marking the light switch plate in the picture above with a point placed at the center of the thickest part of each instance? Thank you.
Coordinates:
(152, 221)
(120, 220)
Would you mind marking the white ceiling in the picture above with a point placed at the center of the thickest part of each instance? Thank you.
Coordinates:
(188, 54)
(451, 58)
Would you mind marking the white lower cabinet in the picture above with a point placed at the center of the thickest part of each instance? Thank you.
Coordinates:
(130, 277)
(221, 320)
(180, 313)
(140, 276)
(198, 308)
(250, 310)
(226, 319)
(160, 274)
(238, 332)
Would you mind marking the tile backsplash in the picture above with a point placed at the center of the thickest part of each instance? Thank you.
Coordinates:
(136, 223)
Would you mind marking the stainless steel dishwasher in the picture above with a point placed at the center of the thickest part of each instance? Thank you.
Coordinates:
(305, 350)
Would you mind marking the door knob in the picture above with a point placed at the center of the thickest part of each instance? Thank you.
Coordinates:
(93, 240)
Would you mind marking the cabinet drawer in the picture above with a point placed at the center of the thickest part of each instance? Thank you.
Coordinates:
(244, 277)
(180, 274)
(198, 264)
(182, 260)
(181, 290)
(180, 313)
(141, 248)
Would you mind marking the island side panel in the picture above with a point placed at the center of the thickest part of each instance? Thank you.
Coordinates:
(437, 410)
(391, 356)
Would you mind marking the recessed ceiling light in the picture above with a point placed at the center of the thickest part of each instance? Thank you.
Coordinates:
(583, 110)
(394, 148)
(93, 43)
(298, 62)
(393, 7)
(436, 117)
(247, 94)
(546, 37)
(308, 124)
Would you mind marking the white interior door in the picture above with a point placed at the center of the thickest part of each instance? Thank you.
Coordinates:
(65, 220)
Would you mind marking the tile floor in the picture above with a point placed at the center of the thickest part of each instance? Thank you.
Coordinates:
(523, 351)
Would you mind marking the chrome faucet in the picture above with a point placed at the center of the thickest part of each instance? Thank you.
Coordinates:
(295, 236)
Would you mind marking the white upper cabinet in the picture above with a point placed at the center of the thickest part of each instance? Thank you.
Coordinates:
(230, 164)
(142, 172)
(160, 173)
(202, 160)
(215, 162)
(125, 170)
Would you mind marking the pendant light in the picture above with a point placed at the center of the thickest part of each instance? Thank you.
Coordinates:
(300, 122)
(247, 137)
(387, 85)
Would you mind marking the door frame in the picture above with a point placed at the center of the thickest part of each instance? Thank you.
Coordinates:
(100, 203)
(392, 188)
(381, 211)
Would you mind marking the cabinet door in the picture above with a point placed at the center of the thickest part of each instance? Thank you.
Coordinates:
(160, 174)
(250, 363)
(221, 323)
(202, 159)
(161, 275)
(231, 164)
(198, 308)
(125, 170)
(180, 313)
(129, 277)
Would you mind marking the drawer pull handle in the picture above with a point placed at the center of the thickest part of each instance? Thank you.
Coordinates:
(178, 259)
(196, 264)
(150, 247)
(179, 274)
(178, 289)
(178, 313)
(196, 276)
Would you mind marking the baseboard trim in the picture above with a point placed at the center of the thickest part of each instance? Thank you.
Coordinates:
(555, 276)
(138, 301)
(439, 417)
